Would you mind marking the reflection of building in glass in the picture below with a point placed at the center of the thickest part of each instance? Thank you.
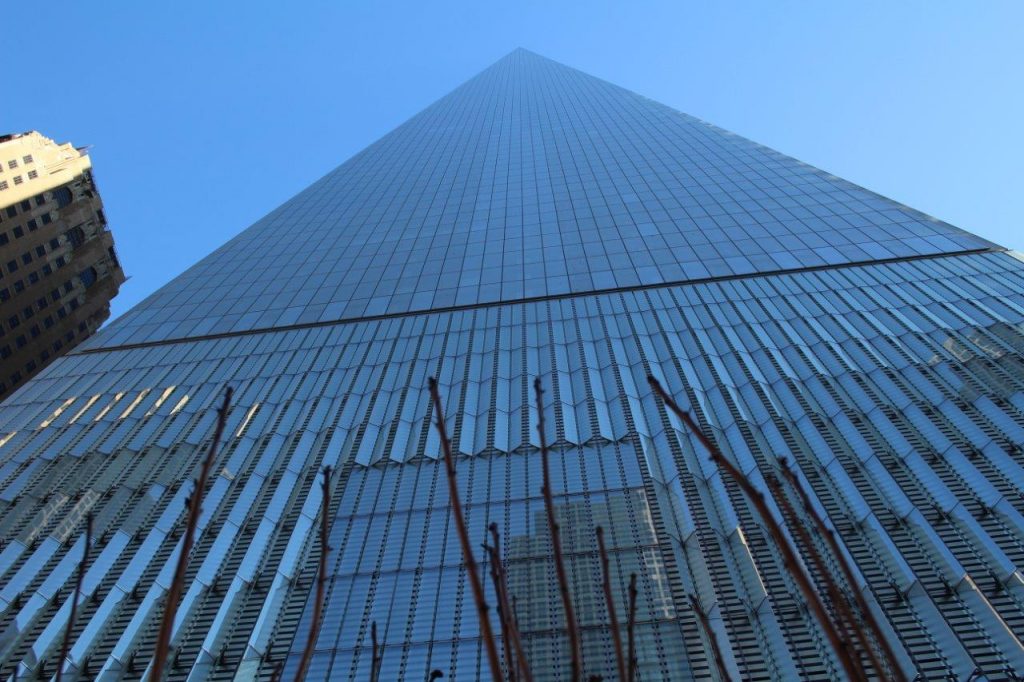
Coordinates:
(536, 222)
(631, 538)
(58, 269)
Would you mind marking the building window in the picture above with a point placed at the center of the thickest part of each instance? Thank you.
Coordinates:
(40, 200)
(32, 225)
(33, 277)
(3, 184)
(12, 211)
(4, 238)
(19, 286)
(46, 219)
(88, 277)
(27, 158)
(26, 258)
(12, 164)
(18, 232)
(32, 175)
(12, 266)
(40, 251)
(5, 352)
(63, 196)
(13, 321)
(5, 294)
(17, 180)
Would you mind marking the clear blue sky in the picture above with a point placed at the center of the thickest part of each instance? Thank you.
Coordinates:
(205, 116)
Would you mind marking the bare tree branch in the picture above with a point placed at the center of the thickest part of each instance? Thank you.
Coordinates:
(163, 640)
(65, 645)
(631, 628)
(467, 548)
(613, 619)
(556, 543)
(789, 556)
(895, 670)
(321, 579)
(716, 652)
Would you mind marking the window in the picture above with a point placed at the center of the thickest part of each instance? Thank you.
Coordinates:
(13, 321)
(3, 184)
(26, 258)
(4, 238)
(88, 277)
(63, 196)
(17, 180)
(5, 352)
(46, 219)
(32, 175)
(18, 232)
(27, 158)
(19, 286)
(40, 251)
(33, 277)
(12, 211)
(5, 294)
(12, 164)
(40, 200)
(54, 244)
(12, 266)
(32, 225)
(26, 206)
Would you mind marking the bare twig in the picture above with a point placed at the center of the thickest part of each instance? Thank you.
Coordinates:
(194, 509)
(321, 579)
(613, 619)
(631, 628)
(556, 542)
(702, 615)
(65, 645)
(467, 549)
(375, 655)
(869, 617)
(845, 622)
(510, 626)
(775, 530)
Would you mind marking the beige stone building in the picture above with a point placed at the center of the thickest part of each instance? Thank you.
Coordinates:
(58, 269)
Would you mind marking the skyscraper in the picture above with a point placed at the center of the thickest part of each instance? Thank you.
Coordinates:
(58, 269)
(537, 222)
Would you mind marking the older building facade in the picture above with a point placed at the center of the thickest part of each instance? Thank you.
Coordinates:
(58, 269)
(537, 222)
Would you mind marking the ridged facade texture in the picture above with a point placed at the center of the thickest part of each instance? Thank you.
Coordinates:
(537, 222)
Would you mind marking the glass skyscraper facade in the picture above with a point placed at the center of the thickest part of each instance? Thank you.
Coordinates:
(536, 222)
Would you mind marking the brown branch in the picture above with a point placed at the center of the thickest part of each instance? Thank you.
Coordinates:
(845, 622)
(613, 619)
(194, 509)
(375, 655)
(65, 645)
(790, 560)
(556, 542)
(321, 579)
(716, 652)
(869, 617)
(467, 549)
(631, 628)
(510, 626)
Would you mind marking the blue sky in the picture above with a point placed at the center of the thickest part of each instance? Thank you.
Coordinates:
(204, 116)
